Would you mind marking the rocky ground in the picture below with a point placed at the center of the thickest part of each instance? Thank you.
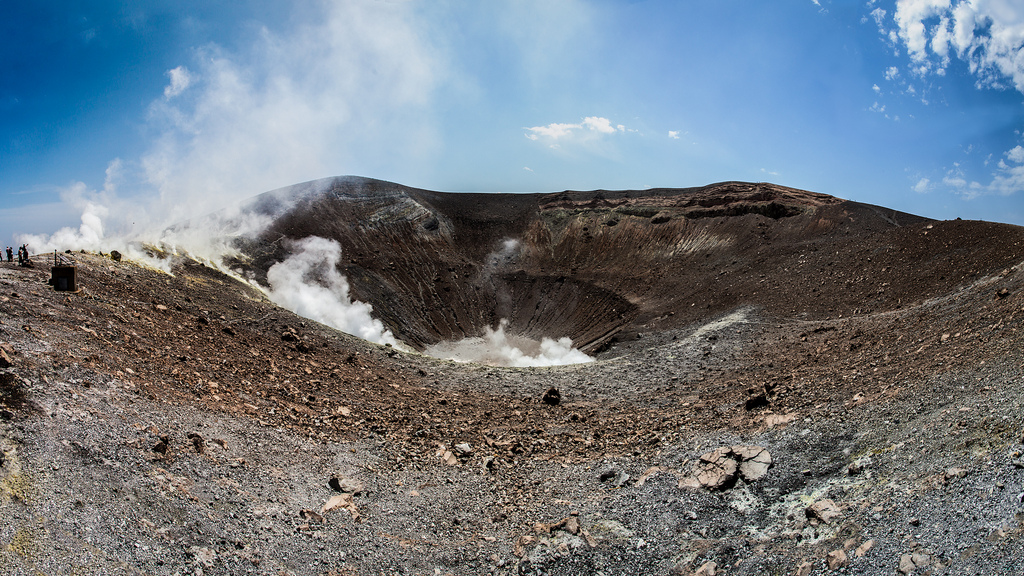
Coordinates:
(183, 424)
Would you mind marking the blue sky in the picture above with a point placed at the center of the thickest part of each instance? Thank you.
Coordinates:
(122, 116)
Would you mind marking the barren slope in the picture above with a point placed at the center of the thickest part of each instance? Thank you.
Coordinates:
(158, 424)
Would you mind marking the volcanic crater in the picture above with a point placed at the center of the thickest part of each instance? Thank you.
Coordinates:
(602, 266)
(785, 383)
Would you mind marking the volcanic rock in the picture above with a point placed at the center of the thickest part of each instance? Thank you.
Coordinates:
(345, 484)
(823, 510)
(707, 569)
(197, 442)
(863, 549)
(552, 397)
(837, 559)
(719, 469)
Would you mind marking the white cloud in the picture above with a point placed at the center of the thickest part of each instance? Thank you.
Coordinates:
(922, 186)
(527, 168)
(553, 131)
(1016, 154)
(590, 126)
(673, 134)
(180, 81)
(602, 125)
(987, 34)
(892, 73)
(910, 16)
(878, 15)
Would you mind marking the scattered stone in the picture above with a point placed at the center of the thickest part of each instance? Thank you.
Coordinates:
(863, 549)
(708, 569)
(837, 559)
(161, 446)
(911, 562)
(1003, 293)
(552, 397)
(341, 501)
(344, 484)
(754, 461)
(5, 360)
(448, 458)
(204, 556)
(823, 510)
(650, 472)
(311, 515)
(915, 521)
(115, 255)
(952, 474)
(197, 442)
(463, 450)
(755, 402)
(617, 478)
(803, 569)
(719, 469)
(778, 420)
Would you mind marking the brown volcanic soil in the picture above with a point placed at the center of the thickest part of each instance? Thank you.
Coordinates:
(160, 424)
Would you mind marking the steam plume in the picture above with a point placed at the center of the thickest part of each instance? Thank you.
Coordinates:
(497, 348)
(309, 284)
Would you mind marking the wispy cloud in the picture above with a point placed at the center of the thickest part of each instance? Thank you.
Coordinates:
(969, 189)
(588, 128)
(673, 134)
(180, 81)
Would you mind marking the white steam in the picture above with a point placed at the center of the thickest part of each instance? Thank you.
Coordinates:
(343, 88)
(496, 348)
(309, 284)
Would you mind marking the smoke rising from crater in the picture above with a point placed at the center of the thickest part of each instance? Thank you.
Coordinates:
(309, 284)
(343, 88)
(497, 348)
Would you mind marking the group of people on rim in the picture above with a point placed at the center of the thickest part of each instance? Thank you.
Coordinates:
(22, 254)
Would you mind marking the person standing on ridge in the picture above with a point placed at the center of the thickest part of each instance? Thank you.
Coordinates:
(10, 254)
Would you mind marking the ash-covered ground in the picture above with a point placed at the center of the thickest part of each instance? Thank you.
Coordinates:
(182, 424)
(785, 383)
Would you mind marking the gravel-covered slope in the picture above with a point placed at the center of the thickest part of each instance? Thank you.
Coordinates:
(158, 424)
